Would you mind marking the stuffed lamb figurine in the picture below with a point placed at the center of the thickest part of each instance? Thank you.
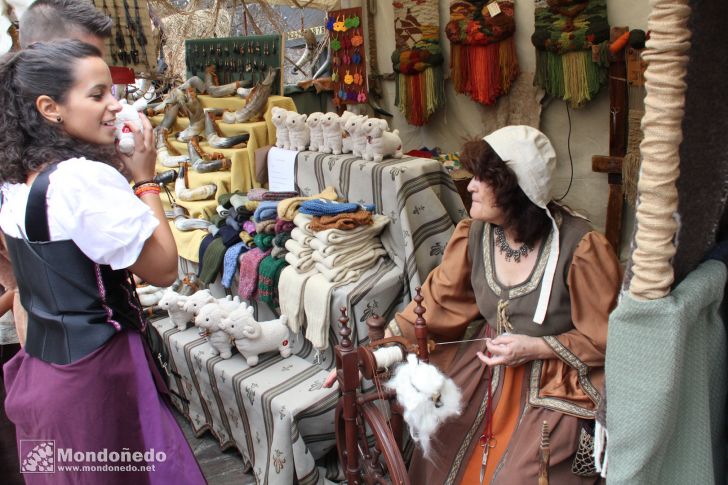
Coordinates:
(278, 118)
(316, 131)
(173, 303)
(298, 131)
(331, 124)
(380, 142)
(124, 135)
(201, 298)
(253, 338)
(358, 139)
(209, 319)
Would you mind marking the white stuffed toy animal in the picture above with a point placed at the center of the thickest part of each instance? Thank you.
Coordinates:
(427, 397)
(201, 298)
(298, 131)
(171, 302)
(358, 140)
(278, 118)
(124, 135)
(380, 142)
(331, 124)
(316, 131)
(208, 319)
(253, 338)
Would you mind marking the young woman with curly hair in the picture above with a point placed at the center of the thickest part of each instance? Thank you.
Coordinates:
(75, 230)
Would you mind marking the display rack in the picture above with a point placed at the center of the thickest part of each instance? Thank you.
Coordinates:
(132, 43)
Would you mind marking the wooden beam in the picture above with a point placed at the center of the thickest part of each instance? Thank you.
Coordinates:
(607, 164)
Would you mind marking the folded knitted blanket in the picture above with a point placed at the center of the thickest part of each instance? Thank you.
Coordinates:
(322, 207)
(230, 263)
(291, 286)
(266, 210)
(283, 225)
(344, 221)
(265, 227)
(346, 253)
(361, 233)
(269, 273)
(302, 264)
(300, 235)
(263, 241)
(352, 269)
(249, 226)
(238, 200)
(256, 194)
(288, 208)
(298, 249)
(249, 263)
(279, 195)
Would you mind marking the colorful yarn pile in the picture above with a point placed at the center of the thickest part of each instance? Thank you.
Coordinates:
(483, 61)
(418, 59)
(565, 32)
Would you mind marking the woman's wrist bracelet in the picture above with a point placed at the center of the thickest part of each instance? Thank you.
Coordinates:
(147, 189)
(143, 182)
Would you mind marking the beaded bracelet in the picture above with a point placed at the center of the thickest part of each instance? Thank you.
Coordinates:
(143, 182)
(147, 189)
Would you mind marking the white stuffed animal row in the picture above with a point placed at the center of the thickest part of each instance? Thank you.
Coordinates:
(380, 143)
(292, 132)
(253, 338)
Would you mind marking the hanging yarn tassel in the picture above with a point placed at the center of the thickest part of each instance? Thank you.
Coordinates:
(483, 62)
(417, 60)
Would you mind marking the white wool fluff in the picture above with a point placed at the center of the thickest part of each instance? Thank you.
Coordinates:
(298, 131)
(316, 131)
(427, 397)
(278, 118)
(173, 303)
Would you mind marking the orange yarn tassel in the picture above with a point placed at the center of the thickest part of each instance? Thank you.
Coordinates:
(484, 72)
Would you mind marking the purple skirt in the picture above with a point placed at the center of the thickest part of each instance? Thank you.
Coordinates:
(98, 420)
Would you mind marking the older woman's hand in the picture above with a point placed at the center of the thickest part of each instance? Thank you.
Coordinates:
(513, 350)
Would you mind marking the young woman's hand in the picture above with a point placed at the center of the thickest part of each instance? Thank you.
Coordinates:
(513, 350)
(141, 163)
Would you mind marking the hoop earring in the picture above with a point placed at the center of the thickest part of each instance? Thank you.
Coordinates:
(59, 119)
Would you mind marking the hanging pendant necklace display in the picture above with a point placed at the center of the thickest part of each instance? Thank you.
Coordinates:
(112, 47)
(131, 27)
(505, 248)
(140, 34)
(120, 41)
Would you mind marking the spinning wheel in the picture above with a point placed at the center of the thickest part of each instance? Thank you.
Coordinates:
(380, 461)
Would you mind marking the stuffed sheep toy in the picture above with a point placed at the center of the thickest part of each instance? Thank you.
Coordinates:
(124, 136)
(380, 142)
(358, 139)
(208, 319)
(316, 131)
(253, 338)
(331, 124)
(173, 303)
(149, 295)
(298, 131)
(278, 118)
(196, 301)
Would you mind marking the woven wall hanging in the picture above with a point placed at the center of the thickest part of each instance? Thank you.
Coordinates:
(483, 63)
(417, 59)
(565, 32)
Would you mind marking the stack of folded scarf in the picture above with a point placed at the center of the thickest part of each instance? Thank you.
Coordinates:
(324, 207)
(288, 208)
(256, 194)
(298, 246)
(266, 210)
(269, 273)
(230, 262)
(282, 230)
(279, 195)
(249, 263)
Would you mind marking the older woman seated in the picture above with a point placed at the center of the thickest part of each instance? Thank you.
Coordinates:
(544, 282)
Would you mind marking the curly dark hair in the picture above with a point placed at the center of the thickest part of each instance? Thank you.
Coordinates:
(529, 221)
(27, 140)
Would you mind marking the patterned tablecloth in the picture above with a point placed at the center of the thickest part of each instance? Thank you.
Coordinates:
(417, 194)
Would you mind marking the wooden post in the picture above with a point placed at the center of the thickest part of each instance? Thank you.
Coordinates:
(348, 373)
(376, 325)
(421, 328)
(612, 165)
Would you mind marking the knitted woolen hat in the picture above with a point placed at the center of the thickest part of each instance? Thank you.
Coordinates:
(212, 261)
(530, 155)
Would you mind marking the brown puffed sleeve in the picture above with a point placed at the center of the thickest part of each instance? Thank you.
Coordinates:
(594, 281)
(448, 295)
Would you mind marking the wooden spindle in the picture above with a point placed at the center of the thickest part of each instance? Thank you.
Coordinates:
(376, 325)
(544, 455)
(348, 374)
(421, 327)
